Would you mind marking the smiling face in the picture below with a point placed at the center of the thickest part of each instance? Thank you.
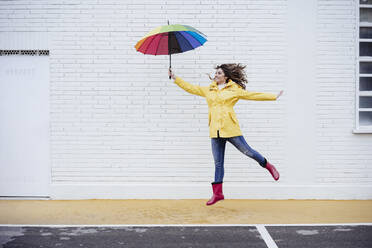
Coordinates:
(219, 76)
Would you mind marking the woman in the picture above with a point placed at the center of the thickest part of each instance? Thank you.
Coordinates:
(225, 90)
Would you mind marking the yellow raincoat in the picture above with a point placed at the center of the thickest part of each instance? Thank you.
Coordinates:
(222, 118)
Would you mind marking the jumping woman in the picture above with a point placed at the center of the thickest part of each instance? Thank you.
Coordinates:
(227, 87)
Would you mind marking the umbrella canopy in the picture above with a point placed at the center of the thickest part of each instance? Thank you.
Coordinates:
(170, 39)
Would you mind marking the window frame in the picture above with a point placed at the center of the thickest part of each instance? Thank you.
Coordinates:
(358, 128)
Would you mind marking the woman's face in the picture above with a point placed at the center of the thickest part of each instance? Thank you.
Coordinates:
(219, 76)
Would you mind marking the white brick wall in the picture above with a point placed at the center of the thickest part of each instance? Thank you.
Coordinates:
(120, 128)
(344, 158)
(146, 129)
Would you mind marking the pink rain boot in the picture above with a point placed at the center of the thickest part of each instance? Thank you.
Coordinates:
(272, 170)
(217, 194)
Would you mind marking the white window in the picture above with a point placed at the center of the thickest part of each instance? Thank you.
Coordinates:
(364, 68)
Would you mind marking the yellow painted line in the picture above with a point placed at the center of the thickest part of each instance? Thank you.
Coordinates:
(183, 212)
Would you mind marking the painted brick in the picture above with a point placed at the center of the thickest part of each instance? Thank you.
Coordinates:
(116, 118)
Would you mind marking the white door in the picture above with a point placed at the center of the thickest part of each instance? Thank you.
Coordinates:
(24, 126)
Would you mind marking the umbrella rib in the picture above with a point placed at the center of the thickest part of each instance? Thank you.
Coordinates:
(150, 44)
(192, 29)
(177, 45)
(196, 39)
(144, 52)
(200, 44)
(157, 49)
(186, 41)
(189, 42)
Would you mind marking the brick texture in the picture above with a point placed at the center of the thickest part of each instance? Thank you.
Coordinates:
(117, 118)
(344, 157)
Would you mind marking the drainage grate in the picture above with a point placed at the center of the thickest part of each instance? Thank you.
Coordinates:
(24, 52)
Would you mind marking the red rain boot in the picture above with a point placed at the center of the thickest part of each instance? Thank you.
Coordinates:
(272, 170)
(217, 194)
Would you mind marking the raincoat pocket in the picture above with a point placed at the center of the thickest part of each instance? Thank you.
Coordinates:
(233, 118)
(209, 119)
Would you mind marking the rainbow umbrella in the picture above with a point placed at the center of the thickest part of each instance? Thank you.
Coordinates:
(170, 39)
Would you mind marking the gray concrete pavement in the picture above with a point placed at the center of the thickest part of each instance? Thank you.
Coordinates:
(340, 236)
(99, 237)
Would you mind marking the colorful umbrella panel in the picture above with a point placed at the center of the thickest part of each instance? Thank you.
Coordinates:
(170, 39)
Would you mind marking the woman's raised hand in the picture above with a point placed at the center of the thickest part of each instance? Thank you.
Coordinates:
(171, 74)
(279, 94)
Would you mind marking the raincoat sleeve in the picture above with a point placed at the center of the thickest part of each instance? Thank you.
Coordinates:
(191, 88)
(247, 95)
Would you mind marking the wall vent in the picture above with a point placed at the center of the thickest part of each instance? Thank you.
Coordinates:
(24, 52)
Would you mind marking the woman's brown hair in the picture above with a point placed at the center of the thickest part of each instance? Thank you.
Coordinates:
(235, 72)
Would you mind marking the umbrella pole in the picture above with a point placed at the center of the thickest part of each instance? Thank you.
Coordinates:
(170, 64)
(170, 60)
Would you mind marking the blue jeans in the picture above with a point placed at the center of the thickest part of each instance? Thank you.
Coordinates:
(218, 150)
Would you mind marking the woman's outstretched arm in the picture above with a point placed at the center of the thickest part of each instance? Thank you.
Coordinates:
(191, 88)
(248, 95)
